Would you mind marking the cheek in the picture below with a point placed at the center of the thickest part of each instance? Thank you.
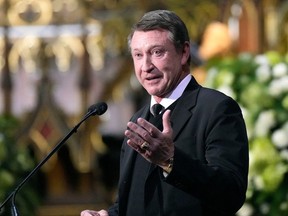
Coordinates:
(138, 64)
(137, 71)
(136, 67)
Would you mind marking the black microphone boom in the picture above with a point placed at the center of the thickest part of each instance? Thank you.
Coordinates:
(96, 109)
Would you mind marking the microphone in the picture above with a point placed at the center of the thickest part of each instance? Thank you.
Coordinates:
(98, 109)
(95, 109)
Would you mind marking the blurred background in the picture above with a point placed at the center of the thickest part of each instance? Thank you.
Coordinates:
(58, 57)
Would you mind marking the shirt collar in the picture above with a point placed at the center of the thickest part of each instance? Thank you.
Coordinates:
(175, 94)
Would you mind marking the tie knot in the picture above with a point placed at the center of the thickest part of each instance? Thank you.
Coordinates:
(157, 108)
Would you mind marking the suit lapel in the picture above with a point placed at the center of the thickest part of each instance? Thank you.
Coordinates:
(183, 109)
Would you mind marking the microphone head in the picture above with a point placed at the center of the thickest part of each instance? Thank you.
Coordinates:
(98, 109)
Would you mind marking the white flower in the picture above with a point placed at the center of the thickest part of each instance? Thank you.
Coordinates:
(279, 138)
(263, 73)
(259, 183)
(261, 60)
(274, 88)
(279, 70)
(284, 154)
(278, 86)
(284, 206)
(265, 121)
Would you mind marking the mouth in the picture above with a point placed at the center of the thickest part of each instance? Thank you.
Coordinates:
(152, 81)
(151, 78)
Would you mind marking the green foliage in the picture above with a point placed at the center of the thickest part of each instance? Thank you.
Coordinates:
(15, 164)
(260, 85)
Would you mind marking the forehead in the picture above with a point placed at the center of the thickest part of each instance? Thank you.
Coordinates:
(142, 39)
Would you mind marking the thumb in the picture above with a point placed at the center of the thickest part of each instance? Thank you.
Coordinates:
(167, 129)
(103, 213)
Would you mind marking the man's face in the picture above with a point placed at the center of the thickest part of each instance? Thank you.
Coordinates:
(158, 66)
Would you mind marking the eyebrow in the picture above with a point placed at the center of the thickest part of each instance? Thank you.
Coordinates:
(149, 48)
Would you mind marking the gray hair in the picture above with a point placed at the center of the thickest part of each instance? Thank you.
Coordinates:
(163, 19)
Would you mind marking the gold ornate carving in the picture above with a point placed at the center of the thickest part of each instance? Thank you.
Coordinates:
(33, 12)
(68, 11)
(26, 51)
(64, 48)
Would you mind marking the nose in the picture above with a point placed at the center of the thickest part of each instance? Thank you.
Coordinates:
(147, 64)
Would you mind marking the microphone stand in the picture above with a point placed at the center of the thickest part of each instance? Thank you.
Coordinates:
(54, 150)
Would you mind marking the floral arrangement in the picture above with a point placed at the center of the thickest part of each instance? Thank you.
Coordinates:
(259, 83)
(15, 164)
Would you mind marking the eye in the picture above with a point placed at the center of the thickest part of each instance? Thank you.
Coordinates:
(158, 52)
(137, 55)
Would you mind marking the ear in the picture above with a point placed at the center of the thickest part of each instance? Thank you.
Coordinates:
(185, 53)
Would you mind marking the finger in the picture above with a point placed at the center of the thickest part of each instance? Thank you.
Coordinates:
(134, 139)
(166, 121)
(85, 213)
(103, 213)
(148, 127)
(89, 213)
(143, 152)
(135, 146)
(141, 129)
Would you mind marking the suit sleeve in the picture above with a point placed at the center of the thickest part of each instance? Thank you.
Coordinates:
(217, 172)
(114, 209)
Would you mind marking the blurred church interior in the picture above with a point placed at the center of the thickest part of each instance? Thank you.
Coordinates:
(58, 57)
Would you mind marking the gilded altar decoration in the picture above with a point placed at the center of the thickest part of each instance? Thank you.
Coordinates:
(25, 12)
(58, 57)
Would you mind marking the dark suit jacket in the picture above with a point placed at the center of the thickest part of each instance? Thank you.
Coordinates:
(209, 175)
